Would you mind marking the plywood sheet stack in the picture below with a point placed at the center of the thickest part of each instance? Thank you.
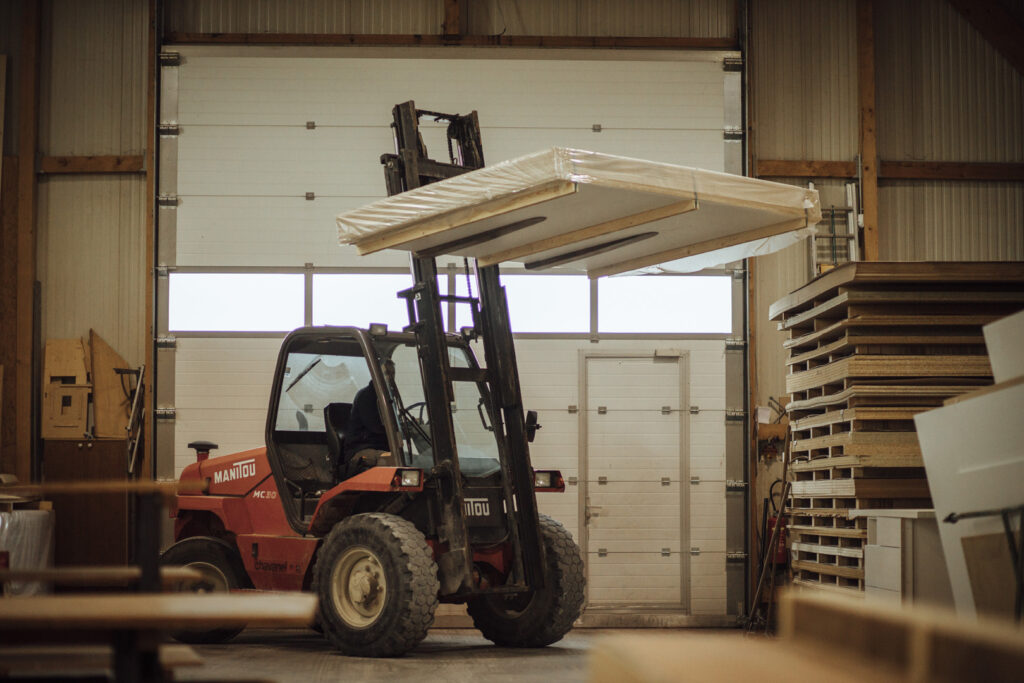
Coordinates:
(870, 346)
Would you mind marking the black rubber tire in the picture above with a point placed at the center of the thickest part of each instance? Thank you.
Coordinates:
(222, 564)
(541, 617)
(401, 561)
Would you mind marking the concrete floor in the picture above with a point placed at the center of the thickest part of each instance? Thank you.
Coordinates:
(451, 655)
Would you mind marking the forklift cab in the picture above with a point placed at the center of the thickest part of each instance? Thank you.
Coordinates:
(319, 372)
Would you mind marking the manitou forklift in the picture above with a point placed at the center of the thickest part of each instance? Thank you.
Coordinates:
(447, 514)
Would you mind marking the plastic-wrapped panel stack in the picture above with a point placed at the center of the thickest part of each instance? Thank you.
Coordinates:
(871, 345)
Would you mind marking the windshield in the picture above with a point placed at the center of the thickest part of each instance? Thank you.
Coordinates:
(474, 436)
(313, 380)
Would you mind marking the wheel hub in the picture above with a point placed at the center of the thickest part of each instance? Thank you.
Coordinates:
(359, 587)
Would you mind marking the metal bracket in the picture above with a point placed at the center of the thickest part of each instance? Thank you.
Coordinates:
(602, 410)
(310, 125)
(732, 64)
(666, 552)
(694, 410)
(596, 128)
(167, 200)
(735, 556)
(602, 552)
(695, 479)
(165, 413)
(735, 415)
(732, 133)
(573, 409)
(734, 485)
(602, 481)
(168, 129)
(666, 410)
(310, 196)
(162, 271)
(695, 550)
(666, 481)
(572, 481)
(168, 342)
(170, 59)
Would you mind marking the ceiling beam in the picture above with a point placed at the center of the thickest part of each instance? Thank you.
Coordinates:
(996, 25)
(786, 168)
(405, 40)
(893, 170)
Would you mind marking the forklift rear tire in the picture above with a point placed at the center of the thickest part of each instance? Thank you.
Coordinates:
(541, 617)
(222, 572)
(377, 585)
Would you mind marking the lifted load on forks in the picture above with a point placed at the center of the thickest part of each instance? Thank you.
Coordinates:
(448, 512)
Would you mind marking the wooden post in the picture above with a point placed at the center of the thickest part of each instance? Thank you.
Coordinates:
(452, 20)
(147, 464)
(868, 133)
(25, 277)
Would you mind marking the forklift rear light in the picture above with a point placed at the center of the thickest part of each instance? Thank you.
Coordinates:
(378, 329)
(548, 480)
(408, 479)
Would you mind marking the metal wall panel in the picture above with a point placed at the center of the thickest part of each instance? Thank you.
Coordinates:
(304, 16)
(93, 97)
(944, 93)
(944, 221)
(91, 256)
(10, 45)
(676, 18)
(803, 65)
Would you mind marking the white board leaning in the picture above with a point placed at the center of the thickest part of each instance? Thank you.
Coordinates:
(600, 213)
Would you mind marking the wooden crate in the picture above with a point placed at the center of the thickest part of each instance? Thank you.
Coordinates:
(870, 346)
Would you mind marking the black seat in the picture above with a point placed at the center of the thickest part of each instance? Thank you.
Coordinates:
(336, 421)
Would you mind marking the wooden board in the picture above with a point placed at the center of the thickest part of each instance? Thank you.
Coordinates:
(882, 395)
(596, 212)
(99, 576)
(110, 402)
(862, 443)
(157, 612)
(868, 460)
(897, 329)
(65, 361)
(889, 366)
(862, 488)
(950, 274)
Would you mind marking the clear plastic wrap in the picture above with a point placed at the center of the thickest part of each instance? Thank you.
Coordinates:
(406, 220)
(27, 537)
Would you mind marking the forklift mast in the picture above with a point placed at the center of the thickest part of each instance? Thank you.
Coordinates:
(409, 168)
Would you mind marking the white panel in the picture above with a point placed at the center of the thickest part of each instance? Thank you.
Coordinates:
(247, 159)
(222, 391)
(633, 578)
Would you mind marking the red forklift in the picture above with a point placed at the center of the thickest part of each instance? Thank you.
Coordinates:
(447, 514)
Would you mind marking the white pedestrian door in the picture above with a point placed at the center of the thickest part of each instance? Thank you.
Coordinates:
(633, 503)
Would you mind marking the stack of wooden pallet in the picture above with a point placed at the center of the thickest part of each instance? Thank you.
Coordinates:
(871, 345)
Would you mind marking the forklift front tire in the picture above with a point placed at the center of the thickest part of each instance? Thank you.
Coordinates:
(377, 585)
(538, 618)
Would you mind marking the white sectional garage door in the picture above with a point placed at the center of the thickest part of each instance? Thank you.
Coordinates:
(270, 147)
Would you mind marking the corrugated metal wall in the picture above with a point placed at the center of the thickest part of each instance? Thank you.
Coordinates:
(688, 18)
(92, 228)
(945, 94)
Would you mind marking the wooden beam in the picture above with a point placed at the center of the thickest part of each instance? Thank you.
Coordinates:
(868, 132)
(92, 164)
(8, 308)
(996, 25)
(785, 168)
(892, 170)
(451, 27)
(367, 39)
(951, 170)
(28, 117)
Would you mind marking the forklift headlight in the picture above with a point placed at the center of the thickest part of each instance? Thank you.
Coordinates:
(378, 329)
(410, 478)
(541, 480)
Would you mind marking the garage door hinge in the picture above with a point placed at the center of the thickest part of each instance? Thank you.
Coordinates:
(732, 64)
(666, 552)
(602, 552)
(695, 479)
(168, 342)
(572, 481)
(735, 556)
(602, 410)
(666, 410)
(735, 415)
(695, 550)
(170, 59)
(165, 413)
(732, 133)
(735, 344)
(573, 409)
(168, 129)
(601, 481)
(167, 200)
(733, 484)
(694, 410)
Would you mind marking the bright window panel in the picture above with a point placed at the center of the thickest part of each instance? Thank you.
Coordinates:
(233, 302)
(665, 304)
(554, 304)
(357, 300)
